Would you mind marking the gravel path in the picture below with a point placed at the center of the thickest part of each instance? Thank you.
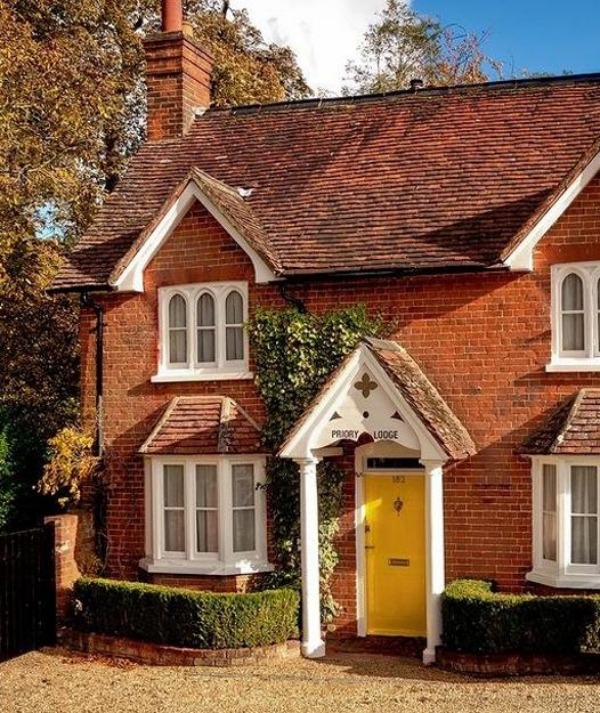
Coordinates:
(57, 681)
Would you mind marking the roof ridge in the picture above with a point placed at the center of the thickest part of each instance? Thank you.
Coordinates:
(171, 405)
(201, 397)
(196, 172)
(562, 432)
(498, 84)
(388, 344)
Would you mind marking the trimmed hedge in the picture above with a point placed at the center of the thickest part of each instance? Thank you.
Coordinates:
(478, 620)
(182, 617)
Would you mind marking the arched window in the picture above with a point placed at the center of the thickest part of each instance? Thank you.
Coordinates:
(201, 332)
(572, 314)
(206, 329)
(178, 352)
(234, 331)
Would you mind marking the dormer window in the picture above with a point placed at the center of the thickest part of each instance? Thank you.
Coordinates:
(201, 332)
(575, 317)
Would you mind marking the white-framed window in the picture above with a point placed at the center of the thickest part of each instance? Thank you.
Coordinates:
(575, 317)
(201, 332)
(205, 515)
(566, 521)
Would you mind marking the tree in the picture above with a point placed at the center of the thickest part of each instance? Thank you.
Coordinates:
(247, 70)
(71, 113)
(402, 45)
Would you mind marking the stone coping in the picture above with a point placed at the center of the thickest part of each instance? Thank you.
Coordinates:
(153, 654)
(506, 665)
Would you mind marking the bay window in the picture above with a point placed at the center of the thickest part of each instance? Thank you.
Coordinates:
(566, 522)
(205, 515)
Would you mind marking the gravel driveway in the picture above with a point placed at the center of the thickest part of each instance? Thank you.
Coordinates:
(57, 681)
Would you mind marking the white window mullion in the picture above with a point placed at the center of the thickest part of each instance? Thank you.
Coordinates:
(190, 522)
(158, 507)
(191, 351)
(221, 332)
(261, 515)
(536, 486)
(225, 540)
(595, 313)
(563, 524)
(590, 332)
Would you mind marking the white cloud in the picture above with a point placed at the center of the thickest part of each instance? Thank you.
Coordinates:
(324, 34)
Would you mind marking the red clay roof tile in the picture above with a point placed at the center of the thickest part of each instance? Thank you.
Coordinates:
(437, 179)
(422, 396)
(572, 429)
(203, 425)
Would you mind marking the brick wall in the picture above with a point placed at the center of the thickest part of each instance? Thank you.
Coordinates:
(67, 571)
(228, 584)
(483, 340)
(132, 404)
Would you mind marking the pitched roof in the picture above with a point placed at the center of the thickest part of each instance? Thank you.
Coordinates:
(423, 398)
(421, 395)
(428, 180)
(572, 429)
(203, 425)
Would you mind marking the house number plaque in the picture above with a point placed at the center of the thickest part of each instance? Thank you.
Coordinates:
(394, 562)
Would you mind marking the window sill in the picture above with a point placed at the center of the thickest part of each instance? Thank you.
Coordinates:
(213, 569)
(565, 365)
(175, 376)
(565, 581)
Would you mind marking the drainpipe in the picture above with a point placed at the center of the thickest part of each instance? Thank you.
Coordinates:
(87, 301)
(296, 302)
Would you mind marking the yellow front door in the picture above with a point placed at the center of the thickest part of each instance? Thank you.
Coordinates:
(395, 554)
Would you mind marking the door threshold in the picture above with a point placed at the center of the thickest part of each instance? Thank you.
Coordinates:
(410, 646)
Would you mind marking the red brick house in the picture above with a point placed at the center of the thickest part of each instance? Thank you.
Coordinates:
(470, 216)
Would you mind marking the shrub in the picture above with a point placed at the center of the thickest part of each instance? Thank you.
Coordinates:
(182, 617)
(71, 464)
(478, 620)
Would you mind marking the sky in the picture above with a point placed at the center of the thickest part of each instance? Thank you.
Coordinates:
(533, 35)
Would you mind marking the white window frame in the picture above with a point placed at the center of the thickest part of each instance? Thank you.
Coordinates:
(562, 573)
(589, 359)
(192, 370)
(225, 561)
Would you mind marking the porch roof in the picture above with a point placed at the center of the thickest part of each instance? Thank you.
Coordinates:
(203, 425)
(411, 386)
(573, 428)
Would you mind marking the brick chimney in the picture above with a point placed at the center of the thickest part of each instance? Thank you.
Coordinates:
(178, 75)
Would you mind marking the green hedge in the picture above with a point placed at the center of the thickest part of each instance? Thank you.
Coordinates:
(182, 617)
(478, 620)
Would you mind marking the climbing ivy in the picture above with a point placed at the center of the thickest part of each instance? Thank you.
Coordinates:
(295, 352)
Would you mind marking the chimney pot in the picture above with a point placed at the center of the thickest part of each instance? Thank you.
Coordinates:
(172, 16)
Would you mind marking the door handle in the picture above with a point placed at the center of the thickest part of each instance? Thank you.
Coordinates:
(369, 547)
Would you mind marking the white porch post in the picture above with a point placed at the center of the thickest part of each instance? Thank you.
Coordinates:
(312, 643)
(435, 556)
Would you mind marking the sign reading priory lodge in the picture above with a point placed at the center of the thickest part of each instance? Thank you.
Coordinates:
(353, 434)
